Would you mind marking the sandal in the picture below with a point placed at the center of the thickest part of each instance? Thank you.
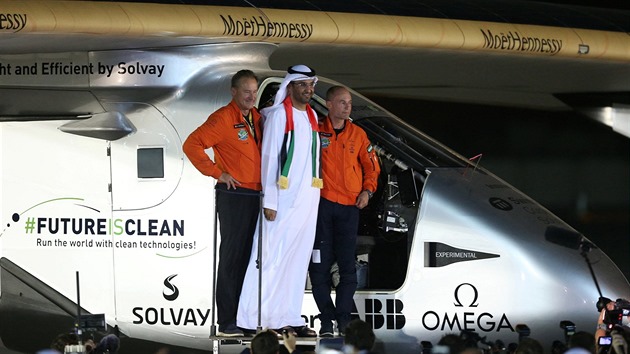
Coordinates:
(304, 331)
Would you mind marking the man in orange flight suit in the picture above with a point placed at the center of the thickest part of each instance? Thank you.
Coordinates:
(350, 172)
(234, 133)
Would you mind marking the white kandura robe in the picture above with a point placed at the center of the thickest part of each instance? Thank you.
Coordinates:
(288, 240)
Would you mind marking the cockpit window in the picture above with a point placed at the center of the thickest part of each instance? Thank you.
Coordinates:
(408, 144)
(390, 135)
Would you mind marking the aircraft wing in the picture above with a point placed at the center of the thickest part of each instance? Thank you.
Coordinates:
(518, 54)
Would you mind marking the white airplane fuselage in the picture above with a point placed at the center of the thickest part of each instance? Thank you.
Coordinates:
(114, 198)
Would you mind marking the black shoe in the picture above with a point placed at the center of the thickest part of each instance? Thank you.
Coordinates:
(342, 329)
(304, 331)
(230, 331)
(326, 331)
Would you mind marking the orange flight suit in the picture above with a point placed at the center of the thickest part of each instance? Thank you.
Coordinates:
(349, 164)
(235, 149)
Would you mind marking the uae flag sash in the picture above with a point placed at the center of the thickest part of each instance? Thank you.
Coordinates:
(286, 154)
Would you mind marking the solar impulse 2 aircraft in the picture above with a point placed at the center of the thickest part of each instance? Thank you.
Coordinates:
(102, 213)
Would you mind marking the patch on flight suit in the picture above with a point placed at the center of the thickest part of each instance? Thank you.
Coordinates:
(242, 134)
(325, 142)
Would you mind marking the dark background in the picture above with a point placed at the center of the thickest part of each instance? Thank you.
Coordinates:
(577, 168)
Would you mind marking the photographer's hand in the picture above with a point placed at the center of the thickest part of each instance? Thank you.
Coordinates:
(289, 341)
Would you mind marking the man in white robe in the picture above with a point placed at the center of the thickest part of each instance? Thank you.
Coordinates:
(291, 184)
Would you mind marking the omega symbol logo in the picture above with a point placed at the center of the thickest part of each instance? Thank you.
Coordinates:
(467, 295)
(500, 204)
(174, 292)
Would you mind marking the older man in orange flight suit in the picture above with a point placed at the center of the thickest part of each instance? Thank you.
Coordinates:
(234, 133)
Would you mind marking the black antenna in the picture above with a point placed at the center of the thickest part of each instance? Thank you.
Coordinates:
(573, 240)
(585, 247)
(77, 324)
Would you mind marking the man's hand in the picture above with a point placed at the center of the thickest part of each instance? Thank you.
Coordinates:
(362, 200)
(229, 180)
(289, 341)
(270, 214)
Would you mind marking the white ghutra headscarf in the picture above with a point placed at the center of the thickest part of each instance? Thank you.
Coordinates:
(294, 73)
